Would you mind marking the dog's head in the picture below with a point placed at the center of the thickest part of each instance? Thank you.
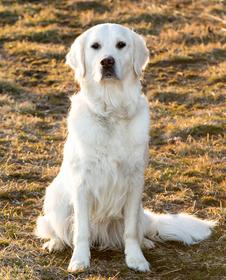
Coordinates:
(106, 53)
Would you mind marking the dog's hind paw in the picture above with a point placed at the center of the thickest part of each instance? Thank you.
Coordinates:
(53, 245)
(148, 244)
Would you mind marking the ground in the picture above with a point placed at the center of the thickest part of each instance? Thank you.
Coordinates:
(185, 82)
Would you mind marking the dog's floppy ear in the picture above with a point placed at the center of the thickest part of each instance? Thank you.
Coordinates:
(76, 57)
(140, 54)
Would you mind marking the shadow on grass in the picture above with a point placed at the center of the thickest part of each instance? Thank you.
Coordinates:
(202, 130)
(183, 61)
(168, 97)
(217, 80)
(41, 57)
(48, 104)
(157, 22)
(219, 12)
(209, 38)
(31, 1)
(196, 132)
(97, 6)
(27, 176)
(16, 92)
(58, 56)
(21, 194)
(8, 17)
(197, 59)
(10, 88)
(215, 56)
(186, 99)
(65, 18)
(49, 36)
(53, 36)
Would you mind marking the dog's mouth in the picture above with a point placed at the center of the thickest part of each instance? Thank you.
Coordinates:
(108, 73)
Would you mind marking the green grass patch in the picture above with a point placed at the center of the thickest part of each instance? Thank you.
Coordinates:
(201, 131)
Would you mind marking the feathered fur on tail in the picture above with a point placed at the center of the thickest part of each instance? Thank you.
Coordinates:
(179, 227)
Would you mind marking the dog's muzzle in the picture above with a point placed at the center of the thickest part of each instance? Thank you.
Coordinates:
(108, 68)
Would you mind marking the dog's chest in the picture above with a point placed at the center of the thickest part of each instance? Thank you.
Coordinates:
(117, 137)
(108, 153)
(113, 170)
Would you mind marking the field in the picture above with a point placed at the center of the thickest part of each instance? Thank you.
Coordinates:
(185, 82)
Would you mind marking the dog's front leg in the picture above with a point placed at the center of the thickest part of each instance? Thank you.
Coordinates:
(134, 256)
(80, 259)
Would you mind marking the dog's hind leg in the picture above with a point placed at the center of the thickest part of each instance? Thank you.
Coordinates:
(45, 231)
(54, 225)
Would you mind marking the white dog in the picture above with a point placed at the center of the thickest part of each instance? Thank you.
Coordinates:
(96, 197)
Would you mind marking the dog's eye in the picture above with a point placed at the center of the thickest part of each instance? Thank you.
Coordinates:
(120, 45)
(95, 46)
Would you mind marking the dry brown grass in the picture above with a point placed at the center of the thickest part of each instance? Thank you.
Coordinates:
(185, 83)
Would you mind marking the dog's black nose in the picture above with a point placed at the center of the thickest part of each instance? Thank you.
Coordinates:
(108, 61)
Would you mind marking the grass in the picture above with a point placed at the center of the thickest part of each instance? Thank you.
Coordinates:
(185, 84)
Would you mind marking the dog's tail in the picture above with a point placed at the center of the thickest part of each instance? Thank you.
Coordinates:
(176, 227)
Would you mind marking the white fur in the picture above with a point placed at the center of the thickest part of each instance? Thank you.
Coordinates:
(96, 197)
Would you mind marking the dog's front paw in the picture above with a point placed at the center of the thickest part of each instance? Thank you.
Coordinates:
(134, 256)
(137, 263)
(80, 259)
(78, 265)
